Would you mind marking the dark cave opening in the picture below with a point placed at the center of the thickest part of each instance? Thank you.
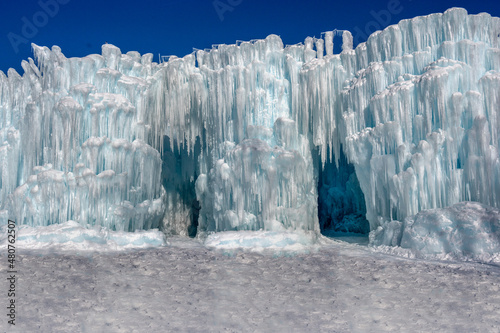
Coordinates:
(341, 203)
(179, 174)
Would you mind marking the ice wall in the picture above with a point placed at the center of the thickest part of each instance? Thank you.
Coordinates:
(415, 110)
(256, 170)
(264, 182)
(73, 142)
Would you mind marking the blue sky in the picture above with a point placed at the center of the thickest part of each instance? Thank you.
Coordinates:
(174, 27)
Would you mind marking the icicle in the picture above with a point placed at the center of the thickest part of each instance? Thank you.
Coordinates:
(414, 109)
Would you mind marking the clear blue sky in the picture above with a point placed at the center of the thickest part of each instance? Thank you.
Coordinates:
(174, 27)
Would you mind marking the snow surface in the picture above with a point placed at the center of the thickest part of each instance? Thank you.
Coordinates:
(186, 287)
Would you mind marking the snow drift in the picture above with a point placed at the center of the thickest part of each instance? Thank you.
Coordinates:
(465, 230)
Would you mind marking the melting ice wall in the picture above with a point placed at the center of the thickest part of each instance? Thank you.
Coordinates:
(415, 109)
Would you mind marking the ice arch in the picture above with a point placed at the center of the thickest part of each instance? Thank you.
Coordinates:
(414, 110)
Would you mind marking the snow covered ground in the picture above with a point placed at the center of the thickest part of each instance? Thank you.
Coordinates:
(188, 287)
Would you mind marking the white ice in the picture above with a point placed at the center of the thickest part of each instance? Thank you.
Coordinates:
(73, 237)
(464, 231)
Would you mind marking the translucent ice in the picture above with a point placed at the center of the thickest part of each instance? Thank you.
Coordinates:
(242, 136)
(258, 186)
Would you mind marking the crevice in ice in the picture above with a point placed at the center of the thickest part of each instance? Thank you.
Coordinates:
(179, 173)
(341, 203)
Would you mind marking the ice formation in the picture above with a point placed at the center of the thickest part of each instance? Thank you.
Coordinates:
(237, 137)
(72, 236)
(467, 230)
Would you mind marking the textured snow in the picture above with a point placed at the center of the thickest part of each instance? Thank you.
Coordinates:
(237, 137)
(187, 288)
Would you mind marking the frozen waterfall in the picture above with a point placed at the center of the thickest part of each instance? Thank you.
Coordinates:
(236, 137)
